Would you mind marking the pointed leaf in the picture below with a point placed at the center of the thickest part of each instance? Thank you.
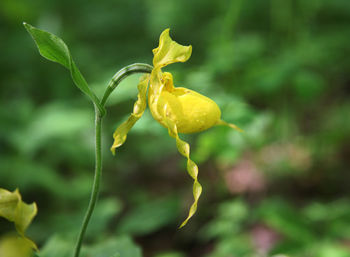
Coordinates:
(54, 49)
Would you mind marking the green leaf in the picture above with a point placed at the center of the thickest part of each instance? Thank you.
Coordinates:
(69, 222)
(228, 222)
(282, 217)
(63, 246)
(113, 247)
(54, 49)
(58, 246)
(150, 216)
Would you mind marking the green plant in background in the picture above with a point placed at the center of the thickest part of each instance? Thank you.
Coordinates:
(180, 110)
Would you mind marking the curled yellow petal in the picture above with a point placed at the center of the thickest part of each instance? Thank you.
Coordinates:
(169, 51)
(184, 149)
(155, 89)
(15, 210)
(167, 79)
(121, 132)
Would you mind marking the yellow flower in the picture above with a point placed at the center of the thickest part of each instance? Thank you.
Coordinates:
(178, 109)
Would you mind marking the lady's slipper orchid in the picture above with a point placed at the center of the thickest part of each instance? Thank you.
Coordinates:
(178, 109)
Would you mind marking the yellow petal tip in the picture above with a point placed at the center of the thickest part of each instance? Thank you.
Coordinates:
(182, 224)
(231, 125)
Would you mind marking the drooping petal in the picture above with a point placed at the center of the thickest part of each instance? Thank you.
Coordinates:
(169, 51)
(192, 169)
(15, 210)
(121, 132)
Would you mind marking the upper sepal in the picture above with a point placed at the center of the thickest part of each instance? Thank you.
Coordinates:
(169, 51)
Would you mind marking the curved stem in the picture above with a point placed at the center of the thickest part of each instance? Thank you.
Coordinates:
(123, 73)
(96, 184)
(117, 78)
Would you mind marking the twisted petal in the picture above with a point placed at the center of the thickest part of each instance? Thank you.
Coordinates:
(15, 210)
(169, 51)
(139, 107)
(192, 168)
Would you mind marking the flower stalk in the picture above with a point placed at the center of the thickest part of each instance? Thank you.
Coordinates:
(96, 183)
(115, 81)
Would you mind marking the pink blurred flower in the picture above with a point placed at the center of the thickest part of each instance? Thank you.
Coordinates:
(245, 177)
(264, 238)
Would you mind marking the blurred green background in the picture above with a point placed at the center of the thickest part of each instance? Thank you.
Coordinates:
(278, 69)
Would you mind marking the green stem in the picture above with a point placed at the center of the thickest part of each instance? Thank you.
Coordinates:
(123, 73)
(117, 78)
(96, 184)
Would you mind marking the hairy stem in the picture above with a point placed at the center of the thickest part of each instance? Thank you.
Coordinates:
(117, 78)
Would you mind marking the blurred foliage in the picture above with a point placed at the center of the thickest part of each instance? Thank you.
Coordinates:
(278, 69)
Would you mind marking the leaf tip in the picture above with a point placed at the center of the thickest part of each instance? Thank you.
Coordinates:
(26, 25)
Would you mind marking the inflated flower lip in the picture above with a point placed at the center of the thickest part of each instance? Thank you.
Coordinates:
(178, 109)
